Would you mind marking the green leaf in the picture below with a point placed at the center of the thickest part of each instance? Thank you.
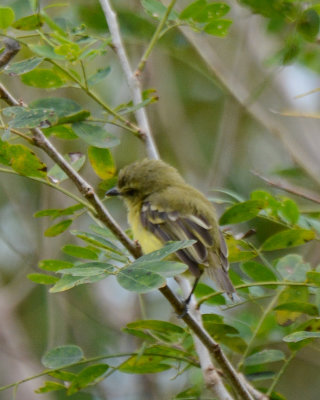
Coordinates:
(98, 76)
(88, 376)
(165, 268)
(309, 23)
(193, 9)
(79, 252)
(45, 51)
(43, 78)
(203, 290)
(62, 375)
(298, 306)
(24, 66)
(55, 213)
(157, 10)
(68, 282)
(22, 160)
(291, 294)
(143, 364)
(50, 386)
(6, 17)
(23, 117)
(88, 269)
(64, 132)
(66, 109)
(242, 212)
(95, 135)
(264, 357)
(61, 356)
(287, 238)
(258, 272)
(54, 265)
(293, 268)
(162, 329)
(28, 23)
(302, 335)
(76, 160)
(102, 162)
(219, 27)
(239, 250)
(58, 228)
(289, 211)
(166, 250)
(139, 280)
(43, 279)
(96, 240)
(314, 277)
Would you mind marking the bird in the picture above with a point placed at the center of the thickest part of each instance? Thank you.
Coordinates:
(162, 207)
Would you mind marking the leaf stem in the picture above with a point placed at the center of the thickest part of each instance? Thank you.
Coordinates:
(154, 39)
(280, 373)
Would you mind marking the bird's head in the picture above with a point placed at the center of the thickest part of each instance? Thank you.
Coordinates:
(140, 179)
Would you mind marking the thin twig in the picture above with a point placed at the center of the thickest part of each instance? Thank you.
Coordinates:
(280, 184)
(133, 81)
(154, 39)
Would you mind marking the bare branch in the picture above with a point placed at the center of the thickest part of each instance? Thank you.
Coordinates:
(133, 81)
(12, 47)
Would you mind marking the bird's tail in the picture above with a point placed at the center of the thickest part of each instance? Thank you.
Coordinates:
(221, 277)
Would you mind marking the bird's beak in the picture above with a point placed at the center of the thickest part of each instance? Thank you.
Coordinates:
(113, 192)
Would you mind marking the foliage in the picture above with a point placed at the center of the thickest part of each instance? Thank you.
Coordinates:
(275, 284)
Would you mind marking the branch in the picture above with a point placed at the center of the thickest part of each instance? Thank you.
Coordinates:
(280, 184)
(132, 80)
(12, 47)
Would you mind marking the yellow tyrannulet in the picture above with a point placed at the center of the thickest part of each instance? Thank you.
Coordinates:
(162, 207)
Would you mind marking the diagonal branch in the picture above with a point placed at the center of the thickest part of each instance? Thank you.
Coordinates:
(132, 80)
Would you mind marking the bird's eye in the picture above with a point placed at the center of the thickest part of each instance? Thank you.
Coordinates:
(130, 192)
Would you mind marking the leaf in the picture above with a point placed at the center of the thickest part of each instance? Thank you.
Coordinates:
(24, 66)
(6, 17)
(96, 240)
(28, 23)
(157, 10)
(50, 386)
(193, 9)
(302, 335)
(98, 76)
(218, 28)
(287, 238)
(42, 279)
(258, 272)
(166, 250)
(76, 160)
(242, 212)
(61, 356)
(264, 357)
(55, 213)
(61, 131)
(63, 375)
(291, 294)
(43, 78)
(239, 250)
(143, 364)
(309, 23)
(314, 277)
(203, 290)
(58, 228)
(165, 331)
(289, 211)
(66, 109)
(22, 160)
(293, 268)
(298, 306)
(88, 376)
(139, 280)
(80, 252)
(23, 117)
(68, 282)
(166, 269)
(102, 162)
(88, 269)
(45, 51)
(95, 135)
(54, 265)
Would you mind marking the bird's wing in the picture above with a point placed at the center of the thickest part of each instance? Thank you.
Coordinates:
(169, 225)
